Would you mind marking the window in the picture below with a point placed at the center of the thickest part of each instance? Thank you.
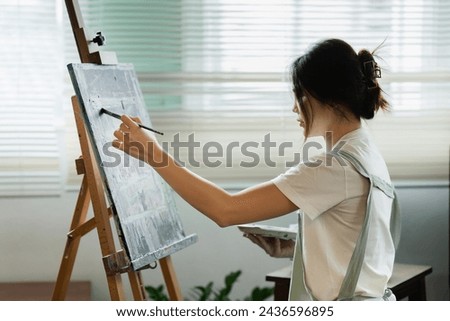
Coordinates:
(31, 68)
(219, 69)
(217, 72)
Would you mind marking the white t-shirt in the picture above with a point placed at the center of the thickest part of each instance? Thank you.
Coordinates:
(332, 198)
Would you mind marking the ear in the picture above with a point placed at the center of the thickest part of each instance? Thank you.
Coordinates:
(306, 109)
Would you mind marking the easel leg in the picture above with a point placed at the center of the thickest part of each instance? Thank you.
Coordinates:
(97, 193)
(70, 251)
(137, 287)
(173, 288)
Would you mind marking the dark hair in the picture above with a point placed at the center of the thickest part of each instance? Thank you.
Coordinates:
(334, 74)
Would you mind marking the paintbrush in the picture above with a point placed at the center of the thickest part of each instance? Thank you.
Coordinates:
(110, 113)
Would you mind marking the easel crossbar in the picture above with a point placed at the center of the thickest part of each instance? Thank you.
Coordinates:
(84, 228)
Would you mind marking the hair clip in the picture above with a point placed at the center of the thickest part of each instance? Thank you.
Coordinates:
(372, 69)
(371, 72)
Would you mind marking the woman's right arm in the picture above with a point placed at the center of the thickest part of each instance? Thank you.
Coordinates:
(261, 202)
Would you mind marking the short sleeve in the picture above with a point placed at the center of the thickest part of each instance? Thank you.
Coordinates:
(315, 186)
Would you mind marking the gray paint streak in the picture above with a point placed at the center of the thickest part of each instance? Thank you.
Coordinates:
(145, 213)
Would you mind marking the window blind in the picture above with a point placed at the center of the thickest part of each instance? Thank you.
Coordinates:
(219, 69)
(30, 74)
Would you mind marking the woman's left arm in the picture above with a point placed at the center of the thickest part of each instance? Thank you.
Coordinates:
(261, 202)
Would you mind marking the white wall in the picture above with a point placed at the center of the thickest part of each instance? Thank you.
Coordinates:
(33, 233)
(425, 234)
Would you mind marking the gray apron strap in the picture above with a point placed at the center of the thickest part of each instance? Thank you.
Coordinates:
(299, 290)
(396, 225)
(350, 281)
(386, 188)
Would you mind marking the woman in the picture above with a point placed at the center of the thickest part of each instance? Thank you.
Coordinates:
(336, 255)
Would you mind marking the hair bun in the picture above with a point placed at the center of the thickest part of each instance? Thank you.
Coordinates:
(369, 68)
(373, 97)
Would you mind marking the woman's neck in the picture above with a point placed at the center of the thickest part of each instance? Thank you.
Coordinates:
(329, 122)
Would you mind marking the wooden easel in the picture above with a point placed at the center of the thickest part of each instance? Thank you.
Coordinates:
(92, 191)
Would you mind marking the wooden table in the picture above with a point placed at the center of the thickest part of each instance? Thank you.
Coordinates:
(42, 291)
(407, 281)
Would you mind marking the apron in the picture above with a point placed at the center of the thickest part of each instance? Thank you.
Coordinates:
(299, 290)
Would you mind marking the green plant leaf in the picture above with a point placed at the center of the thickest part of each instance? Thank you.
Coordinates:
(156, 293)
(260, 294)
(203, 292)
(230, 280)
